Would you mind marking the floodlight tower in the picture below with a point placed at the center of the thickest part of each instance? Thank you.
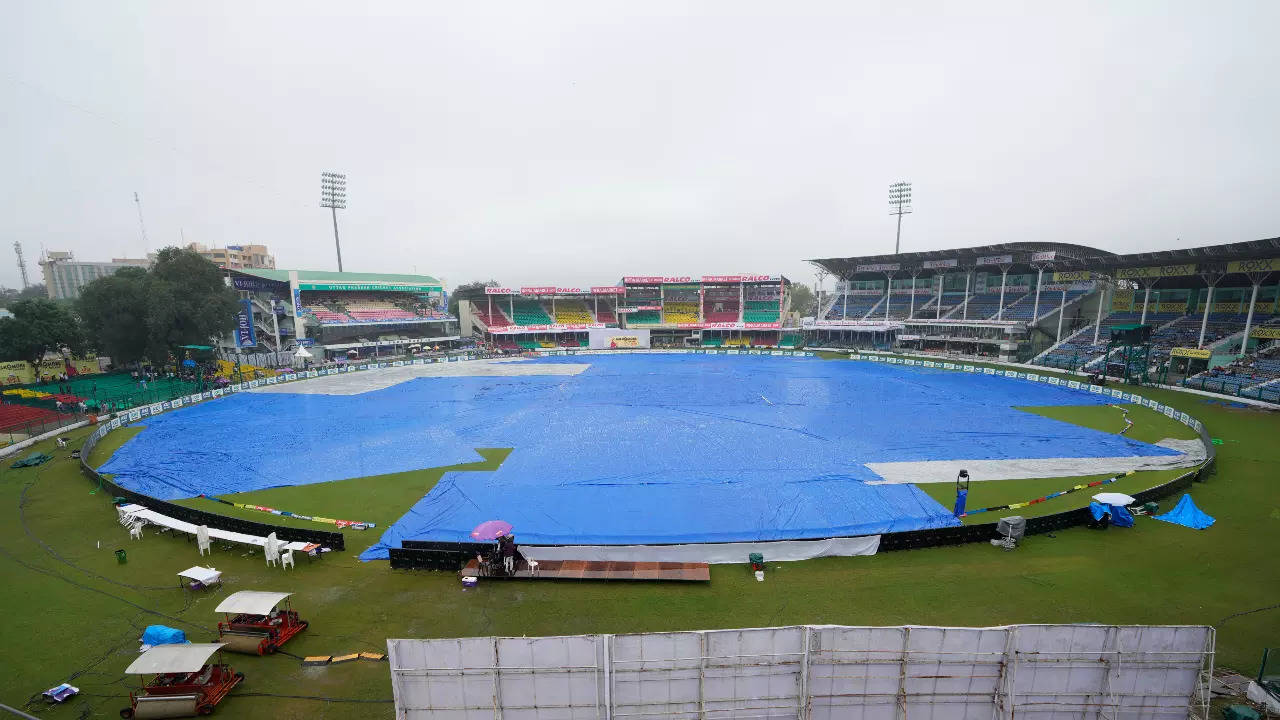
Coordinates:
(22, 263)
(900, 204)
(333, 195)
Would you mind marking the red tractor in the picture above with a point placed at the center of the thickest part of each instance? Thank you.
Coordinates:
(255, 624)
(183, 684)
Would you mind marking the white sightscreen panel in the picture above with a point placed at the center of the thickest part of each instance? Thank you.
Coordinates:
(952, 673)
(1064, 672)
(549, 678)
(854, 671)
(451, 679)
(753, 673)
(1041, 672)
(657, 675)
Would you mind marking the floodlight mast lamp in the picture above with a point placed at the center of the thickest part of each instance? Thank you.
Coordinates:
(333, 195)
(900, 204)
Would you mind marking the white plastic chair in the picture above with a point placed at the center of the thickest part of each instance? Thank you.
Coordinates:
(286, 559)
(202, 539)
(135, 531)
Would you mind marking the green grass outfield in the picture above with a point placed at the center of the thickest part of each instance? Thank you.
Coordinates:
(73, 614)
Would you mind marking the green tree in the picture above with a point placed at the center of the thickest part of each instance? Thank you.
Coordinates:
(114, 311)
(468, 291)
(188, 303)
(39, 326)
(181, 300)
(803, 300)
(8, 296)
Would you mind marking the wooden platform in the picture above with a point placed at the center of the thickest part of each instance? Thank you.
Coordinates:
(603, 570)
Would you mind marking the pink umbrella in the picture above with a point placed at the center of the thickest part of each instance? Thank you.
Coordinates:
(491, 530)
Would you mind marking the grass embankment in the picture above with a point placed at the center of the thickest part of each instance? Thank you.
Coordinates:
(73, 614)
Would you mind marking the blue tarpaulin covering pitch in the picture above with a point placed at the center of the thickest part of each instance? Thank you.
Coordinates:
(636, 449)
(1187, 513)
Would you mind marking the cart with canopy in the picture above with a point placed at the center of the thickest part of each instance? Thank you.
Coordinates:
(183, 684)
(255, 623)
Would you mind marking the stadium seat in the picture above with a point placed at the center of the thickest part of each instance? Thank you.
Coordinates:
(572, 312)
(680, 312)
(530, 312)
(644, 317)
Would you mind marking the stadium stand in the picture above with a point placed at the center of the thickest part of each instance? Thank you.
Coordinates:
(951, 302)
(853, 307)
(530, 312)
(572, 312)
(681, 312)
(496, 317)
(982, 306)
(21, 418)
(720, 304)
(644, 317)
(1020, 308)
(760, 311)
(605, 313)
(712, 341)
(791, 340)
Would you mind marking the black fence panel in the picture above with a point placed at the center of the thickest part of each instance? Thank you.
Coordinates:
(915, 539)
(417, 559)
(334, 540)
(470, 549)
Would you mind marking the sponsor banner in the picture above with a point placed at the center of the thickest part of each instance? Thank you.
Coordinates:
(500, 291)
(1156, 271)
(16, 372)
(1200, 353)
(255, 283)
(297, 303)
(996, 260)
(372, 286)
(879, 267)
(608, 290)
(518, 329)
(655, 279)
(637, 308)
(1251, 266)
(1171, 307)
(861, 325)
(1072, 276)
(1265, 333)
(740, 278)
(539, 290)
(936, 264)
(1046, 256)
(245, 334)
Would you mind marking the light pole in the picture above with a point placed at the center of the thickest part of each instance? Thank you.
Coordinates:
(900, 204)
(333, 195)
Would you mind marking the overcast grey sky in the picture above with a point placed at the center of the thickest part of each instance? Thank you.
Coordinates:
(574, 142)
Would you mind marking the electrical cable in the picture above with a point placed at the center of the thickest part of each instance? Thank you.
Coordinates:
(22, 517)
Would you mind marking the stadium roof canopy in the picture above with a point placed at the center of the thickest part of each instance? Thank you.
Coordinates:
(345, 277)
(328, 280)
(1190, 264)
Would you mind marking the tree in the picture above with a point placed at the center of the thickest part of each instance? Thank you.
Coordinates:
(181, 300)
(803, 300)
(39, 326)
(114, 312)
(468, 291)
(8, 296)
(189, 303)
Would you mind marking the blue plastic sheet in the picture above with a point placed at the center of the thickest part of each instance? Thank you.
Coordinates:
(1120, 515)
(636, 449)
(1186, 513)
(162, 635)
